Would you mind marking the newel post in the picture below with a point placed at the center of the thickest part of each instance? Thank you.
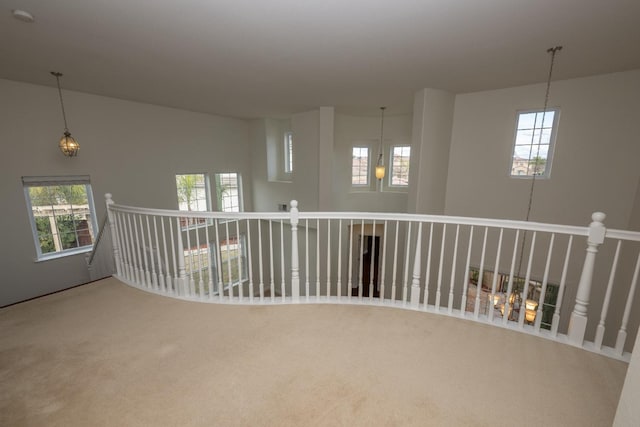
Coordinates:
(295, 269)
(114, 236)
(578, 320)
(415, 282)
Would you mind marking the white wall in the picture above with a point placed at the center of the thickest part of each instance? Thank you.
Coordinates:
(352, 130)
(432, 122)
(595, 165)
(130, 149)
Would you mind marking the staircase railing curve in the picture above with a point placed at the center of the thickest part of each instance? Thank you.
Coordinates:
(456, 266)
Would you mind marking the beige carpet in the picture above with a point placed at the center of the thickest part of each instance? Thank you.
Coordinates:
(105, 354)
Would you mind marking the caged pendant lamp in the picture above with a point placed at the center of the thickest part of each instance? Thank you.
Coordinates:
(380, 163)
(68, 145)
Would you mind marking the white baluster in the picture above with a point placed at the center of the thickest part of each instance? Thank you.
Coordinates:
(191, 289)
(219, 274)
(260, 268)
(283, 290)
(578, 320)
(328, 258)
(360, 263)
(545, 278)
(372, 262)
(395, 264)
(250, 261)
(452, 282)
(182, 273)
(339, 281)
(381, 278)
(295, 269)
(349, 273)
(494, 282)
(439, 282)
(306, 260)
(507, 303)
(174, 254)
(622, 333)
(160, 276)
(525, 290)
(317, 260)
(405, 282)
(154, 276)
(467, 276)
(199, 255)
(415, 283)
(607, 298)
(271, 269)
(209, 259)
(142, 247)
(229, 274)
(556, 313)
(137, 254)
(239, 249)
(476, 307)
(427, 273)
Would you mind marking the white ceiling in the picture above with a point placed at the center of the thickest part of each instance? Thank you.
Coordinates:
(254, 58)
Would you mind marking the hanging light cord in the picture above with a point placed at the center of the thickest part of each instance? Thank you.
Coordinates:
(64, 116)
(552, 51)
(381, 135)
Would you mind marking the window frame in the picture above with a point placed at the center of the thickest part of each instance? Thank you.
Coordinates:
(54, 181)
(552, 142)
(201, 222)
(390, 168)
(288, 153)
(368, 174)
(239, 195)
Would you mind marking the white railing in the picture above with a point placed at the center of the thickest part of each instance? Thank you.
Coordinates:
(532, 277)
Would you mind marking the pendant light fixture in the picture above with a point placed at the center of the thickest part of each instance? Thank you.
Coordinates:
(68, 145)
(380, 163)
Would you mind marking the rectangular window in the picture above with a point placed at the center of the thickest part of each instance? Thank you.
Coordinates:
(193, 196)
(201, 263)
(288, 152)
(533, 143)
(399, 173)
(229, 192)
(61, 213)
(360, 166)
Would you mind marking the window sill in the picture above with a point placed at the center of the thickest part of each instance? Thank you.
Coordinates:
(63, 254)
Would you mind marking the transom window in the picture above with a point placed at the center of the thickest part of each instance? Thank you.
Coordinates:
(399, 173)
(288, 152)
(533, 143)
(61, 213)
(360, 166)
(229, 192)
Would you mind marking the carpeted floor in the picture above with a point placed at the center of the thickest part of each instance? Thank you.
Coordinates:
(105, 354)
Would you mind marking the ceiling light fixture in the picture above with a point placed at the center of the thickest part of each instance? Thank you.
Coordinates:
(380, 163)
(68, 145)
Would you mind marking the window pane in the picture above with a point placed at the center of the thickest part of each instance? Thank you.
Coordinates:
(360, 166)
(62, 217)
(192, 192)
(288, 152)
(532, 145)
(400, 165)
(228, 192)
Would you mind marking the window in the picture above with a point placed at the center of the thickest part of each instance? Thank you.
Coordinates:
(199, 261)
(533, 143)
(360, 166)
(61, 213)
(193, 195)
(288, 152)
(399, 173)
(229, 192)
